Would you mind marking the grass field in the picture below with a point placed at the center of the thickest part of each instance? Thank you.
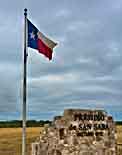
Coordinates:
(119, 134)
(10, 139)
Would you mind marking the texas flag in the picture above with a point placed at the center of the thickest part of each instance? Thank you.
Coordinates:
(39, 41)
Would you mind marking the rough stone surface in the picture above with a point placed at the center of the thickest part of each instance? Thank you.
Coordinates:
(78, 132)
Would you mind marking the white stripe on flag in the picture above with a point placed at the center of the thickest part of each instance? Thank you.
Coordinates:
(46, 40)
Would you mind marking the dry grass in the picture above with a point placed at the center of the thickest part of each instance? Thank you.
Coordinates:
(119, 134)
(10, 139)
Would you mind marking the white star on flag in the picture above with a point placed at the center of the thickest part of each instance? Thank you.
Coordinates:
(32, 35)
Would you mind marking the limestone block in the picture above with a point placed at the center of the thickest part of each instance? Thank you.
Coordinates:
(78, 132)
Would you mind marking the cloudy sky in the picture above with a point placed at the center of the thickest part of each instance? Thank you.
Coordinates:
(86, 70)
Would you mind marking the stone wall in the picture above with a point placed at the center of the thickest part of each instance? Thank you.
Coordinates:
(78, 132)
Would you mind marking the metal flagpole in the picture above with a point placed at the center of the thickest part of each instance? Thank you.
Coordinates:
(24, 86)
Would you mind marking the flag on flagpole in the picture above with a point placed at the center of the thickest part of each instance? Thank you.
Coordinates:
(39, 41)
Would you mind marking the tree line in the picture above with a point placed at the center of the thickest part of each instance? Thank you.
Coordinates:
(30, 123)
(18, 123)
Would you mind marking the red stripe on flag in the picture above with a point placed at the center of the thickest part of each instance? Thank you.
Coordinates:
(44, 49)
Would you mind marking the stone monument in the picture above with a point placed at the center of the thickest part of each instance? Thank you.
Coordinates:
(78, 132)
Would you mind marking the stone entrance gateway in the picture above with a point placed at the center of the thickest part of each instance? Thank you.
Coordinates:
(78, 132)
